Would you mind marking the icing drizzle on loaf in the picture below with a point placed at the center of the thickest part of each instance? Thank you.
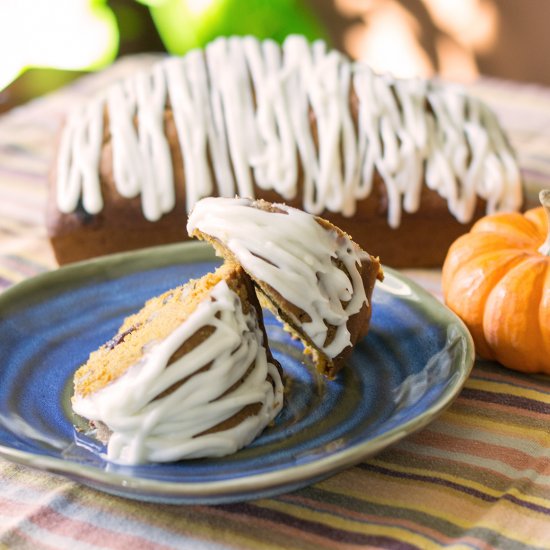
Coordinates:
(242, 110)
(312, 268)
(148, 425)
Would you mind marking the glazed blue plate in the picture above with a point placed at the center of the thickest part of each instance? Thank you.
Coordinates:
(414, 360)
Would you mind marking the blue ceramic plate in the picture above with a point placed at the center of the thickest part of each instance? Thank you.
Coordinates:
(413, 362)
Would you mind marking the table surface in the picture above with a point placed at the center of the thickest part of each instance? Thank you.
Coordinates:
(477, 477)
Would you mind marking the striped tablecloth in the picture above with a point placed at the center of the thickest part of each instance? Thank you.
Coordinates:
(477, 477)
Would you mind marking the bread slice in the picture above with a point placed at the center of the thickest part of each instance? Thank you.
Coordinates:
(308, 271)
(189, 375)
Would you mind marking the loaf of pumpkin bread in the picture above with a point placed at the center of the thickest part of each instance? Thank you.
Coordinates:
(403, 166)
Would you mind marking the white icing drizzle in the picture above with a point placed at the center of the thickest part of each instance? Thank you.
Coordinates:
(294, 255)
(244, 106)
(149, 428)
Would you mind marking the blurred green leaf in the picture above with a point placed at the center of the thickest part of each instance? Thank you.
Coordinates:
(187, 24)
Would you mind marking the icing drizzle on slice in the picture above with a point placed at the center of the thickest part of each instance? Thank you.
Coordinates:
(291, 252)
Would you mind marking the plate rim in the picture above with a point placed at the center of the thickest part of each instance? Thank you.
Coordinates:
(171, 254)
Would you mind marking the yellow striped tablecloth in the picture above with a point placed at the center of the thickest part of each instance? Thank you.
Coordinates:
(477, 477)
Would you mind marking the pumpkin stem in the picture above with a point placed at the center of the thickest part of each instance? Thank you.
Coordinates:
(544, 197)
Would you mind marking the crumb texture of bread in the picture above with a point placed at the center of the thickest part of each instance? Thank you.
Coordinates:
(189, 375)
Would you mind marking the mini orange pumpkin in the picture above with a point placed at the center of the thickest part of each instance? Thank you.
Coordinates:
(497, 279)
